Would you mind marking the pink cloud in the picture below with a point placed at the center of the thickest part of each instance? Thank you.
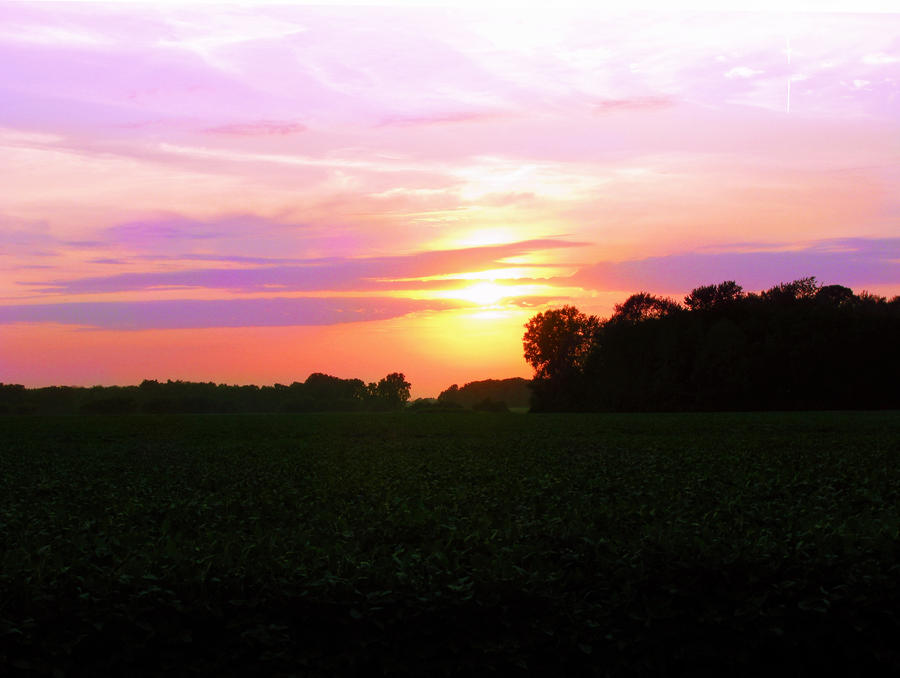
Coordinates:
(331, 273)
(651, 103)
(442, 118)
(259, 128)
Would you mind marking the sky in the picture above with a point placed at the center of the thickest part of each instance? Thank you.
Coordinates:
(251, 193)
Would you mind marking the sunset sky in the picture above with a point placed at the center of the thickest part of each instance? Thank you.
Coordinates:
(247, 194)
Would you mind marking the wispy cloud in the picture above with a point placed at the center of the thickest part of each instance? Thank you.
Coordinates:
(742, 72)
(108, 260)
(258, 128)
(648, 103)
(879, 58)
(441, 118)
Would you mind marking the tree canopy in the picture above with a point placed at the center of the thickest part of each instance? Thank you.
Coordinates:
(798, 345)
(514, 392)
(643, 306)
(393, 390)
(557, 341)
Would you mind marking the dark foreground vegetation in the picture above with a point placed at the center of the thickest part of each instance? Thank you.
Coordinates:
(430, 544)
(796, 346)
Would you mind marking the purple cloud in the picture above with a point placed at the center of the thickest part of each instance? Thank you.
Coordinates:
(200, 313)
(107, 260)
(371, 273)
(854, 262)
(230, 258)
(174, 236)
(175, 227)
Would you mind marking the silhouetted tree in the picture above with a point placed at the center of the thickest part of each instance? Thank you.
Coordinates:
(644, 306)
(870, 299)
(709, 297)
(557, 341)
(797, 290)
(334, 392)
(835, 295)
(556, 344)
(450, 394)
(515, 392)
(795, 346)
(393, 390)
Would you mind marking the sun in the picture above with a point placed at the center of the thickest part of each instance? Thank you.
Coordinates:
(483, 294)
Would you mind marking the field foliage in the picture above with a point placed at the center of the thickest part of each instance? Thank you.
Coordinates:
(449, 544)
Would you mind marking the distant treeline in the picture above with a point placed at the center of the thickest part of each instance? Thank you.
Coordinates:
(320, 392)
(798, 345)
(489, 394)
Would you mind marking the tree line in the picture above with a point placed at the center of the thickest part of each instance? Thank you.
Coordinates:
(319, 393)
(488, 394)
(798, 345)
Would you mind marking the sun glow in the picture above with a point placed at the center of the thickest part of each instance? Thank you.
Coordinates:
(512, 273)
(484, 237)
(484, 294)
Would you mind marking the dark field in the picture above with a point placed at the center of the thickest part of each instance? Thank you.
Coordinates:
(450, 544)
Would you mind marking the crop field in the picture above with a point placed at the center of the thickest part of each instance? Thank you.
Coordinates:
(450, 544)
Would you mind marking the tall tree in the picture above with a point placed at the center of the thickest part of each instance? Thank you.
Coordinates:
(644, 306)
(708, 297)
(393, 390)
(558, 340)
